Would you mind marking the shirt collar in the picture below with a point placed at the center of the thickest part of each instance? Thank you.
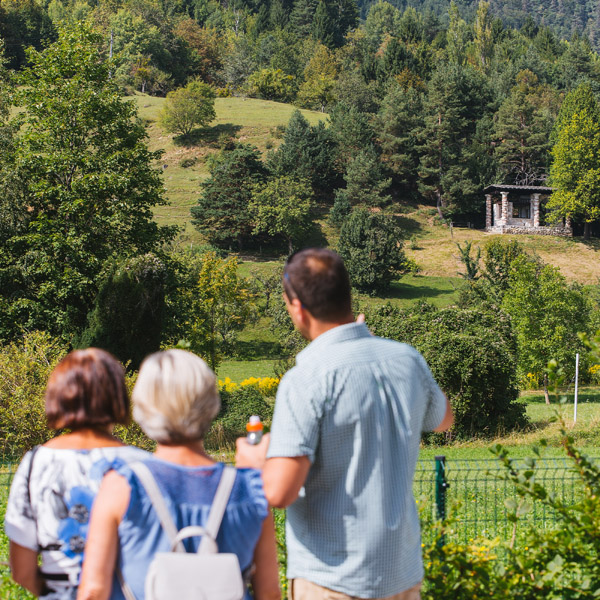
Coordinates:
(341, 333)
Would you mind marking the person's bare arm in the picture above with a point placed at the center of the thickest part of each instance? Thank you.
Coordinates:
(265, 581)
(448, 419)
(283, 477)
(24, 568)
(102, 544)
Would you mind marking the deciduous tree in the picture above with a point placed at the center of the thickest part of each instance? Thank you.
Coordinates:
(283, 206)
(188, 107)
(87, 185)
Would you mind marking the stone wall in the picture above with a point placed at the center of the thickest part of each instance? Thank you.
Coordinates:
(516, 230)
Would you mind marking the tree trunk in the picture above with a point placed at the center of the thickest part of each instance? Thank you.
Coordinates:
(586, 231)
(546, 394)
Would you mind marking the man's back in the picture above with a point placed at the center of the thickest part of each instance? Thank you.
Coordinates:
(356, 406)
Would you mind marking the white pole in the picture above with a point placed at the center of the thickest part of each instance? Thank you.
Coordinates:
(576, 382)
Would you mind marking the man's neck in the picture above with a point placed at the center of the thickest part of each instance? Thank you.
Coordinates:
(318, 328)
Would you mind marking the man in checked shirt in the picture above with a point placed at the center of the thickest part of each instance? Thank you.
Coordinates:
(344, 445)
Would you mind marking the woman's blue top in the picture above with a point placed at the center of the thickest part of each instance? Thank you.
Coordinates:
(188, 493)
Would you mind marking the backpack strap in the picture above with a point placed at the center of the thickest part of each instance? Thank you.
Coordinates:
(156, 499)
(217, 509)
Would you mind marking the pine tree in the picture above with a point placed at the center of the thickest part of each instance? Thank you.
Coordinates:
(301, 18)
(306, 153)
(522, 128)
(398, 123)
(222, 211)
(457, 99)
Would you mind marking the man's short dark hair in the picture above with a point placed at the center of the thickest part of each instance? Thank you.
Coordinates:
(87, 389)
(318, 278)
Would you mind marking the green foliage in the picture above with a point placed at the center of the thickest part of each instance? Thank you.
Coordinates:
(222, 213)
(522, 126)
(283, 206)
(84, 187)
(471, 263)
(272, 84)
(188, 107)
(236, 408)
(316, 91)
(219, 306)
(305, 153)
(472, 354)
(546, 313)
(456, 100)
(371, 246)
(129, 310)
(575, 170)
(25, 365)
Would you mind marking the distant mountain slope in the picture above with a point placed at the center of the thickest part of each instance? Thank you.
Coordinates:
(564, 17)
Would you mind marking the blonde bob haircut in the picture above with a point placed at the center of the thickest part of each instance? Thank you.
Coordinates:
(175, 397)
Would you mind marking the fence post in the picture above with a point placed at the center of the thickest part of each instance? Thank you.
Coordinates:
(441, 486)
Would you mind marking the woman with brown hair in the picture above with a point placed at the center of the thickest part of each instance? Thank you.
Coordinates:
(53, 489)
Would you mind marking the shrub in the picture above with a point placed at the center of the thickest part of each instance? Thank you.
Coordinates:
(237, 405)
(26, 365)
(472, 355)
(188, 162)
(128, 312)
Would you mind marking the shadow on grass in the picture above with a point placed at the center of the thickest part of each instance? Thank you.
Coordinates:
(586, 393)
(207, 136)
(255, 350)
(408, 225)
(406, 291)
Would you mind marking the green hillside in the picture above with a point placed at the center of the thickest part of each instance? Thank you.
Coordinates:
(247, 120)
(253, 121)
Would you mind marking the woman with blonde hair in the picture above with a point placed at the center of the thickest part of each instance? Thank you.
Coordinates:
(175, 400)
(55, 484)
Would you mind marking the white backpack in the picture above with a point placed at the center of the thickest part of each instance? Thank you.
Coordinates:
(179, 575)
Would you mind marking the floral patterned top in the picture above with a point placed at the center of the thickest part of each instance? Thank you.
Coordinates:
(49, 505)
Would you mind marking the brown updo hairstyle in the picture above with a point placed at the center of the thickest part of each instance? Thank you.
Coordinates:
(87, 389)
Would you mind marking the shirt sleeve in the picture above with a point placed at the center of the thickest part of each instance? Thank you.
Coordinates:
(19, 521)
(296, 420)
(435, 398)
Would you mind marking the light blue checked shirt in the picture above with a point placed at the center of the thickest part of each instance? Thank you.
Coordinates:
(356, 405)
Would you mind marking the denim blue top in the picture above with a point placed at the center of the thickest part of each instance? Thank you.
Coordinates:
(356, 405)
(188, 492)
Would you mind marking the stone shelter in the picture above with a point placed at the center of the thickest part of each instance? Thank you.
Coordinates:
(517, 209)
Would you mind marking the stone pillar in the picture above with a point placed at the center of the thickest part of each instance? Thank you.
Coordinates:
(488, 211)
(535, 209)
(504, 208)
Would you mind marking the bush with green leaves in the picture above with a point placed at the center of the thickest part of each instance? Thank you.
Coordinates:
(188, 107)
(371, 246)
(25, 365)
(129, 309)
(472, 355)
(236, 408)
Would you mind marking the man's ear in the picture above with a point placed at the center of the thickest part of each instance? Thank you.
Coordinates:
(296, 310)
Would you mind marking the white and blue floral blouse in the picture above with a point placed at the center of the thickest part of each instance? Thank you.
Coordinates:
(49, 505)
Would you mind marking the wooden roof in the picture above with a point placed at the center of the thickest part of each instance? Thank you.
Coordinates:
(518, 188)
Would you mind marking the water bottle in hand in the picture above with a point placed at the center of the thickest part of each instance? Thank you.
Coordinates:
(254, 427)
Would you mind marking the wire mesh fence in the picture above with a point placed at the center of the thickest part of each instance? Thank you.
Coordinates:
(473, 493)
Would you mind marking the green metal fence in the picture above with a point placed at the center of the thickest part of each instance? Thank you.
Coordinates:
(469, 490)
(473, 493)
